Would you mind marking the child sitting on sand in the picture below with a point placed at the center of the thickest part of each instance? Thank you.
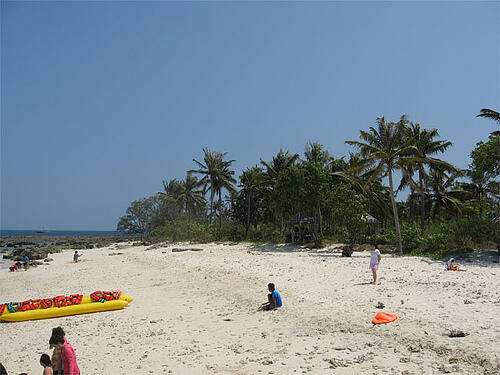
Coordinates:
(375, 258)
(273, 298)
(450, 265)
(46, 364)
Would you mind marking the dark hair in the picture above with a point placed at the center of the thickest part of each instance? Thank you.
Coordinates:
(58, 331)
(270, 285)
(45, 360)
(55, 339)
(373, 244)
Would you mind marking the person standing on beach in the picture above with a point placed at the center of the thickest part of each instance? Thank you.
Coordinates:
(56, 354)
(76, 256)
(375, 258)
(68, 355)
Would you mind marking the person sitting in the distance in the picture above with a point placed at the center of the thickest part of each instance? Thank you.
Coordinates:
(346, 251)
(273, 298)
(26, 261)
(13, 268)
(450, 265)
(46, 364)
(76, 256)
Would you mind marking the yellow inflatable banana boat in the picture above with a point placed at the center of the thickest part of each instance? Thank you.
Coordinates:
(63, 306)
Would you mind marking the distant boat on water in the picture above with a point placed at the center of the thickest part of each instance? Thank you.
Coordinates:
(43, 230)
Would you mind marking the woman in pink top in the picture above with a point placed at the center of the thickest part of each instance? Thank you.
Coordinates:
(56, 355)
(68, 355)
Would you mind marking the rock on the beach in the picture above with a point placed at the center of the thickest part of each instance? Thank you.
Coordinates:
(456, 333)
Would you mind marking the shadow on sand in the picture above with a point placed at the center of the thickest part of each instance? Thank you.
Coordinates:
(295, 248)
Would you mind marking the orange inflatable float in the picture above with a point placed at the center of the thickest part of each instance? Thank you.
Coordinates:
(383, 317)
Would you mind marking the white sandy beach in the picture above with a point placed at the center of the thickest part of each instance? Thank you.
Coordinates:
(196, 313)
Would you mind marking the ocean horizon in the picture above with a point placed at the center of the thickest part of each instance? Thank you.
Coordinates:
(57, 233)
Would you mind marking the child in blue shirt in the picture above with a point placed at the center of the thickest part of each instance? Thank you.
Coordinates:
(274, 298)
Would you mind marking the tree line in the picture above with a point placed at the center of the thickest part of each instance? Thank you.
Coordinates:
(329, 196)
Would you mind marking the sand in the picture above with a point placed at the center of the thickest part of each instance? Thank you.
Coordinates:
(195, 312)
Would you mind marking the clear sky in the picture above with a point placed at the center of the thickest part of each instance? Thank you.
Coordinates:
(101, 101)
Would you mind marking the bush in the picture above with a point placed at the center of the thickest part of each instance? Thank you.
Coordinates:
(180, 230)
(177, 230)
(439, 240)
(265, 233)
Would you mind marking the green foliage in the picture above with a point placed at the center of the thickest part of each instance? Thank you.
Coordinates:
(182, 230)
(305, 188)
(346, 208)
(486, 157)
(439, 240)
(332, 195)
(139, 216)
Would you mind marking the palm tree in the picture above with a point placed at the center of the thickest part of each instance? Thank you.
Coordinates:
(224, 180)
(252, 181)
(315, 153)
(388, 149)
(216, 174)
(281, 162)
(173, 189)
(191, 195)
(479, 187)
(358, 171)
(425, 145)
(443, 192)
(491, 114)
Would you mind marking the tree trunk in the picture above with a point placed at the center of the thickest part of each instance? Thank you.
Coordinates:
(422, 200)
(211, 203)
(395, 211)
(220, 212)
(438, 211)
(320, 221)
(248, 214)
(480, 204)
(412, 205)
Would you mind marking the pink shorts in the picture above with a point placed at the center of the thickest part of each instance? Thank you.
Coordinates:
(374, 266)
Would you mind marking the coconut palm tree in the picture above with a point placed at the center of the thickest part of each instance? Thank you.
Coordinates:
(173, 189)
(491, 114)
(252, 182)
(425, 145)
(358, 171)
(281, 162)
(388, 149)
(444, 193)
(479, 187)
(192, 196)
(315, 153)
(216, 174)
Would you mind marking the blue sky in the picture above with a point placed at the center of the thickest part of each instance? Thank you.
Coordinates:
(101, 101)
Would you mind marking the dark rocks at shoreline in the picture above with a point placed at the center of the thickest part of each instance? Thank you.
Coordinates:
(48, 245)
(33, 254)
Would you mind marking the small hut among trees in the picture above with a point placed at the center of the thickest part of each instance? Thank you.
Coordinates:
(298, 228)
